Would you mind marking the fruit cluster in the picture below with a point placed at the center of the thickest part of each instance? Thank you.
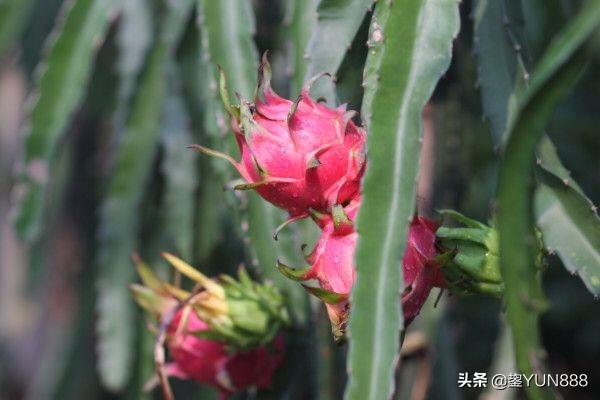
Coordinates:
(307, 159)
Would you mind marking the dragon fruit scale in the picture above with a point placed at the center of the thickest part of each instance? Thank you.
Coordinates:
(332, 265)
(299, 156)
(226, 333)
(421, 267)
(214, 363)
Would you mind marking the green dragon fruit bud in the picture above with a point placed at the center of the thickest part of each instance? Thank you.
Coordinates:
(472, 266)
(241, 312)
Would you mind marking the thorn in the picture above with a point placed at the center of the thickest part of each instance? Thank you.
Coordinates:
(250, 185)
(565, 182)
(326, 296)
(286, 223)
(437, 300)
(214, 153)
(312, 80)
(293, 109)
(296, 274)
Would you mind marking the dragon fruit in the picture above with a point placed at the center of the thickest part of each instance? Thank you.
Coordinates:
(212, 362)
(299, 156)
(226, 333)
(420, 266)
(474, 267)
(332, 265)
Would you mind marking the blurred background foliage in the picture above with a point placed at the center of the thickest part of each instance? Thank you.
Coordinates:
(128, 88)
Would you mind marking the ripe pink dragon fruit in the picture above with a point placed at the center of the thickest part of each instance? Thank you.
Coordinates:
(420, 268)
(297, 155)
(332, 265)
(211, 362)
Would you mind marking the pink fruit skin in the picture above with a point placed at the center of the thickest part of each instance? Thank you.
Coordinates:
(210, 362)
(420, 270)
(333, 266)
(311, 158)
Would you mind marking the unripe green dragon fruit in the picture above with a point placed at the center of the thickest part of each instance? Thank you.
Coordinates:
(474, 265)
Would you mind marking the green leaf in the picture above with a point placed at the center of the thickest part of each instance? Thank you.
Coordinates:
(301, 14)
(61, 83)
(410, 50)
(547, 158)
(555, 74)
(349, 79)
(571, 227)
(204, 110)
(501, 72)
(13, 15)
(503, 77)
(134, 37)
(179, 169)
(119, 212)
(338, 22)
(229, 25)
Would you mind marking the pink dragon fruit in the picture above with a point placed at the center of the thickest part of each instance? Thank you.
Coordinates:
(212, 362)
(420, 267)
(297, 155)
(332, 265)
(226, 333)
